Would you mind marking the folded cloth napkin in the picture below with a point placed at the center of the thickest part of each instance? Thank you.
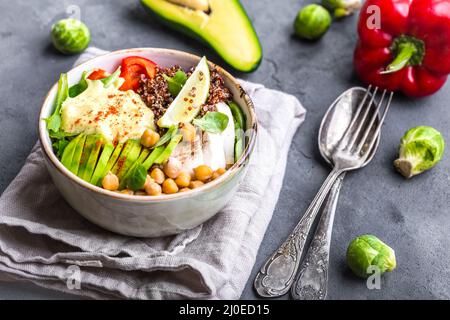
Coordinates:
(43, 240)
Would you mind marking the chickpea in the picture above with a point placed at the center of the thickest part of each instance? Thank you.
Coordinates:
(169, 186)
(157, 175)
(153, 189)
(172, 168)
(184, 190)
(218, 173)
(183, 179)
(110, 182)
(149, 138)
(127, 191)
(188, 132)
(195, 184)
(203, 173)
(148, 180)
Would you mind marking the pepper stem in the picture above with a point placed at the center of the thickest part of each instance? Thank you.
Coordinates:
(405, 52)
(408, 51)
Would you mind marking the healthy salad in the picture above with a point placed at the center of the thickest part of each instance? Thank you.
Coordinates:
(145, 129)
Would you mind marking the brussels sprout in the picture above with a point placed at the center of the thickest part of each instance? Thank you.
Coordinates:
(70, 36)
(312, 22)
(342, 8)
(421, 148)
(367, 250)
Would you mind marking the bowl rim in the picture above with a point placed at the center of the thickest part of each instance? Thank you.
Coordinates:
(56, 163)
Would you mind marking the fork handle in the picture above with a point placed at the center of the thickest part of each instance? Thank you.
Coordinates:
(277, 274)
(312, 280)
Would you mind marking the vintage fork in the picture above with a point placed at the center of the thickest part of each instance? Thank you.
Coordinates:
(277, 274)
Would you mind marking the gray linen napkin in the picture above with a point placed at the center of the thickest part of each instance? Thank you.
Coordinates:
(43, 240)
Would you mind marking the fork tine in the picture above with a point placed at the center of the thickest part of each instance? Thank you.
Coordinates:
(380, 124)
(369, 126)
(358, 111)
(356, 133)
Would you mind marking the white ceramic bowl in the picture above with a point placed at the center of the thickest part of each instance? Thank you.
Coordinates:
(145, 216)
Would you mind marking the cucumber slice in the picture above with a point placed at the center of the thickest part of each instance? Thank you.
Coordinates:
(188, 102)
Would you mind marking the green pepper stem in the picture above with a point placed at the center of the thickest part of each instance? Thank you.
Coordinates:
(405, 51)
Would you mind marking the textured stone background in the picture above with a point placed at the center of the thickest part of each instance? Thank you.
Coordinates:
(411, 216)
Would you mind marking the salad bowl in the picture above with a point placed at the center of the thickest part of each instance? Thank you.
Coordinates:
(143, 215)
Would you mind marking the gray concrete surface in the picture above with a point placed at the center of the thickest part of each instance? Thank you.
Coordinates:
(411, 216)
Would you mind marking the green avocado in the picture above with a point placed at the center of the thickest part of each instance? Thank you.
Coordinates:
(225, 27)
(75, 163)
(85, 155)
(128, 156)
(100, 168)
(169, 149)
(97, 144)
(144, 154)
(156, 153)
(66, 158)
(113, 159)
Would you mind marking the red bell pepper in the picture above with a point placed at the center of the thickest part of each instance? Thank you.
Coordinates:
(132, 69)
(98, 74)
(409, 50)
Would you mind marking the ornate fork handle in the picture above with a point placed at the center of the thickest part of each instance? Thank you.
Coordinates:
(277, 274)
(311, 282)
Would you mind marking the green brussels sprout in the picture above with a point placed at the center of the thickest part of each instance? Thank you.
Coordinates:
(367, 250)
(342, 8)
(421, 148)
(312, 22)
(70, 36)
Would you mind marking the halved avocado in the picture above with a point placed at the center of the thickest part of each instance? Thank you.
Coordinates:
(100, 168)
(225, 27)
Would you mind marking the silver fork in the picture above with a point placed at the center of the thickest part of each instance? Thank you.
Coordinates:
(277, 274)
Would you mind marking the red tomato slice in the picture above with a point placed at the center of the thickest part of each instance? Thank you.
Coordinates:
(132, 69)
(98, 74)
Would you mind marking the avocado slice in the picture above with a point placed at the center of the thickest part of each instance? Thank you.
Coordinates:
(75, 163)
(94, 152)
(67, 155)
(112, 161)
(100, 167)
(87, 150)
(144, 154)
(225, 27)
(156, 153)
(169, 149)
(128, 156)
